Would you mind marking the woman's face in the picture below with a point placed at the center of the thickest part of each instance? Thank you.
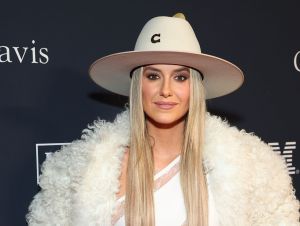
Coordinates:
(165, 93)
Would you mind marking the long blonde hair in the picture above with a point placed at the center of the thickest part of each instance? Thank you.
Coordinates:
(139, 203)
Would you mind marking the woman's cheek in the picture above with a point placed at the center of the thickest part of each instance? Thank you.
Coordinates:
(183, 92)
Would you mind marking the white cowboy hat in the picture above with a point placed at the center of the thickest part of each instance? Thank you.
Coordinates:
(167, 40)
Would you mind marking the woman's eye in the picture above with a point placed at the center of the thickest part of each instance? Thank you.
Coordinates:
(181, 77)
(152, 76)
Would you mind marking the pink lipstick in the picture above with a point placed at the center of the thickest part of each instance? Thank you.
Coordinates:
(165, 105)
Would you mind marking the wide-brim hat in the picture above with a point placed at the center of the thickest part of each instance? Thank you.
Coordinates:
(167, 40)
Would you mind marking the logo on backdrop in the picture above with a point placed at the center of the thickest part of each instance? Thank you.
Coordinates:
(16, 54)
(45, 150)
(297, 61)
(287, 153)
(42, 152)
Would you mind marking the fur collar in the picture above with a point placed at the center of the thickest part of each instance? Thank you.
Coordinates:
(226, 171)
(232, 158)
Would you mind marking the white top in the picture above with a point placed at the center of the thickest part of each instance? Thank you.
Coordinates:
(168, 200)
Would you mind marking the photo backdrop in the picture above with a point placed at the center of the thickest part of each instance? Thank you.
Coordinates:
(47, 97)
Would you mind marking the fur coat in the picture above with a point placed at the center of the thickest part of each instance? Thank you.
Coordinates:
(249, 181)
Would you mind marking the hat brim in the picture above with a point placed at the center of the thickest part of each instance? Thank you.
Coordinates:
(112, 72)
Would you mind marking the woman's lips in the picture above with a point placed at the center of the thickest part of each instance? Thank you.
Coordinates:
(165, 105)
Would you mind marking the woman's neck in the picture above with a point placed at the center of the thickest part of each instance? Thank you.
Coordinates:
(167, 140)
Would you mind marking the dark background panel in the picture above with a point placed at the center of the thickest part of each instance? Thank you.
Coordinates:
(53, 102)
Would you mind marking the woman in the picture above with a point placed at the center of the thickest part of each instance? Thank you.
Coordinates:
(205, 172)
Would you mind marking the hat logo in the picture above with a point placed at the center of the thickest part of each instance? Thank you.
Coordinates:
(155, 38)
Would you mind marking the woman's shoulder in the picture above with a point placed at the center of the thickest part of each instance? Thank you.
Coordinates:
(229, 142)
(62, 171)
(221, 131)
(250, 163)
(95, 137)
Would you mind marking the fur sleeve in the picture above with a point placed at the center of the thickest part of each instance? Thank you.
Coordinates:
(51, 205)
(274, 202)
(61, 175)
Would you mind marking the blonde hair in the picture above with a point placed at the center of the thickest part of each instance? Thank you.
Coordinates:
(139, 203)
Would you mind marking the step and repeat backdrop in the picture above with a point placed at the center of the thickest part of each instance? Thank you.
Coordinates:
(47, 97)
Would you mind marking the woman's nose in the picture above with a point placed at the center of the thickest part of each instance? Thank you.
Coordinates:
(166, 89)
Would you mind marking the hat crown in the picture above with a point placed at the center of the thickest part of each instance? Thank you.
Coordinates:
(167, 34)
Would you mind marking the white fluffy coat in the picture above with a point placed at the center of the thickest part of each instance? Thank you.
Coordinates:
(249, 182)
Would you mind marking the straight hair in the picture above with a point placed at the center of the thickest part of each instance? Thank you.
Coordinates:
(139, 201)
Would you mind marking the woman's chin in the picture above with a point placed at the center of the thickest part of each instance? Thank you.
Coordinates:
(165, 122)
